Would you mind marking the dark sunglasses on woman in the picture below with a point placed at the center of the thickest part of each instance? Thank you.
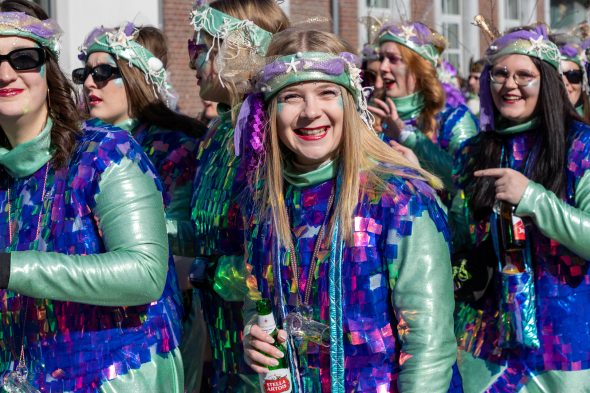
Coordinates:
(100, 73)
(25, 59)
(574, 76)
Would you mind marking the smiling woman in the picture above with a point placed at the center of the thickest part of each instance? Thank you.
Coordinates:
(88, 299)
(338, 231)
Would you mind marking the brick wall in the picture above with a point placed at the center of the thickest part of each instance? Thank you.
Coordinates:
(178, 30)
(485, 9)
(423, 11)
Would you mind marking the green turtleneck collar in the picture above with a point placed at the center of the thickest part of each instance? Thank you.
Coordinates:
(324, 172)
(128, 125)
(506, 127)
(409, 107)
(27, 158)
(580, 110)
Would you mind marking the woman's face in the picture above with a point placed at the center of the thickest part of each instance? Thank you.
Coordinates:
(309, 121)
(473, 82)
(515, 102)
(207, 77)
(572, 74)
(22, 93)
(106, 100)
(398, 80)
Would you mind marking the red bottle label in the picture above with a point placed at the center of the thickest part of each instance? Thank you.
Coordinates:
(280, 385)
(518, 229)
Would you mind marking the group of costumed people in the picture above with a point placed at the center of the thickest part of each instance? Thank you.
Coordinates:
(135, 241)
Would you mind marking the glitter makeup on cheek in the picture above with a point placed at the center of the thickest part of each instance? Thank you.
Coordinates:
(280, 107)
(340, 101)
(118, 82)
(43, 70)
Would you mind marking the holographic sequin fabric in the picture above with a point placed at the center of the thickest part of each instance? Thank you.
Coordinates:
(218, 222)
(173, 155)
(372, 358)
(562, 284)
(72, 346)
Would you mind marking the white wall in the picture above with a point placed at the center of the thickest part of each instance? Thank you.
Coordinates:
(78, 17)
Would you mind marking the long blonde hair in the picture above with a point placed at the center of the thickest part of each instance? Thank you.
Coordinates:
(361, 151)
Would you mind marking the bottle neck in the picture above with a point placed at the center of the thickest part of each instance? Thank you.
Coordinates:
(267, 323)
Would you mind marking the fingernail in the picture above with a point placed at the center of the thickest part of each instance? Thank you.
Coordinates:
(279, 354)
(274, 362)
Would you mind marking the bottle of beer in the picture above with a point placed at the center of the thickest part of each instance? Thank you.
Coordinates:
(278, 379)
(512, 231)
(512, 237)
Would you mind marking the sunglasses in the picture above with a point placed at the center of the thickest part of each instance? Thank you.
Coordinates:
(194, 50)
(574, 76)
(25, 59)
(100, 73)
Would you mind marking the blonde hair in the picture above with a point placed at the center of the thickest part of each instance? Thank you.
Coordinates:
(361, 151)
(426, 81)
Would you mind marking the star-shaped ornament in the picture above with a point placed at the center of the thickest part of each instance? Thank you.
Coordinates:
(408, 32)
(537, 44)
(292, 65)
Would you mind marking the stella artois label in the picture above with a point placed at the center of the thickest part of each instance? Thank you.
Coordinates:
(276, 381)
(518, 228)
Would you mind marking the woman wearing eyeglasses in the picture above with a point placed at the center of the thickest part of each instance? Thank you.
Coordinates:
(125, 84)
(88, 301)
(414, 112)
(527, 328)
(223, 63)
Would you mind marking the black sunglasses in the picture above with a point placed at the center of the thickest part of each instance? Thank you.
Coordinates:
(100, 73)
(25, 58)
(574, 76)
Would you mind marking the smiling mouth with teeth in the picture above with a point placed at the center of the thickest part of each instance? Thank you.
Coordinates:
(312, 134)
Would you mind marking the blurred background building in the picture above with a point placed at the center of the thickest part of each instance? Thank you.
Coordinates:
(452, 18)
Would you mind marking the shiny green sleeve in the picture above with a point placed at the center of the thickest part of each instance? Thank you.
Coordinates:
(423, 302)
(181, 232)
(436, 160)
(130, 215)
(566, 224)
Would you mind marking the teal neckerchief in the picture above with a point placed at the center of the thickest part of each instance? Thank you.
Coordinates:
(319, 175)
(506, 127)
(409, 107)
(128, 125)
(27, 158)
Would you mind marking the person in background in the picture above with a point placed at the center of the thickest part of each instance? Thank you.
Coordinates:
(88, 294)
(472, 94)
(125, 84)
(223, 64)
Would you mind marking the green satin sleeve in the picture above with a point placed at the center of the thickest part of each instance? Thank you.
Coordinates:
(566, 224)
(130, 216)
(181, 233)
(436, 160)
(423, 302)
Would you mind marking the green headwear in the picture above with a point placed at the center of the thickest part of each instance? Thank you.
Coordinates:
(416, 36)
(44, 32)
(219, 25)
(121, 43)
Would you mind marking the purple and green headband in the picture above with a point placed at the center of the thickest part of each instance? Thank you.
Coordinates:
(44, 32)
(417, 37)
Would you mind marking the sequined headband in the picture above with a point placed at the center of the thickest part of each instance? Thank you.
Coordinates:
(121, 43)
(416, 36)
(572, 53)
(370, 52)
(219, 25)
(533, 43)
(44, 32)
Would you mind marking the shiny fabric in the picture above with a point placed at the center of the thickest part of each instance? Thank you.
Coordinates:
(396, 290)
(173, 155)
(456, 125)
(100, 258)
(558, 232)
(30, 156)
(218, 222)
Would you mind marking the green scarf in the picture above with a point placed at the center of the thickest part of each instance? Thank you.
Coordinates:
(506, 127)
(27, 158)
(409, 107)
(324, 172)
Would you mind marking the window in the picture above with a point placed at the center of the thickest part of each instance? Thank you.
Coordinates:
(451, 24)
(378, 3)
(566, 14)
(511, 14)
(388, 11)
(46, 5)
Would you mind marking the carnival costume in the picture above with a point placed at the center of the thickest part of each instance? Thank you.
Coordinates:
(172, 153)
(388, 326)
(218, 218)
(531, 330)
(455, 123)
